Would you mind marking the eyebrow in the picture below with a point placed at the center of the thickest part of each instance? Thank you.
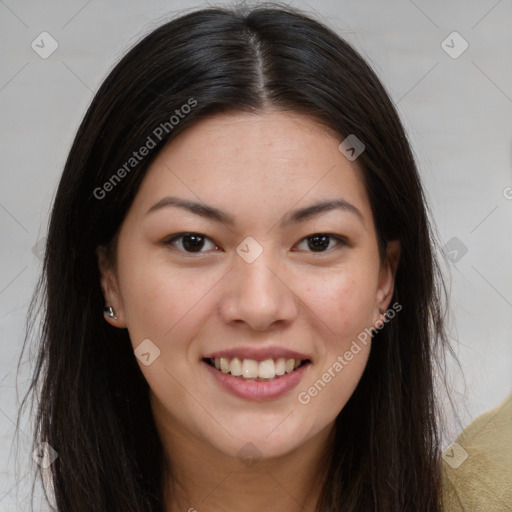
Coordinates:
(293, 217)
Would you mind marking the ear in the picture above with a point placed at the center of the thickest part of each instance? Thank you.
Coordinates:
(110, 288)
(386, 284)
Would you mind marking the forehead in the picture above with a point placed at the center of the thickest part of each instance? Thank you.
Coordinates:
(279, 139)
(273, 159)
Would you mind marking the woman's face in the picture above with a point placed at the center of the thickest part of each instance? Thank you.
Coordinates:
(252, 283)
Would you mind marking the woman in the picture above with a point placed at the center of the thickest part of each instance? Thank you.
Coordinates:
(243, 308)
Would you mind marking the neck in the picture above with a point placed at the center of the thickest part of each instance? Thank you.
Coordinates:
(199, 477)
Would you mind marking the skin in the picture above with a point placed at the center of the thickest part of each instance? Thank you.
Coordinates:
(257, 168)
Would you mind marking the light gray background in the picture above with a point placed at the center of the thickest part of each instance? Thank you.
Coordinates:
(457, 112)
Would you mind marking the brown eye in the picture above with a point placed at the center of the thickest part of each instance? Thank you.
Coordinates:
(189, 242)
(322, 242)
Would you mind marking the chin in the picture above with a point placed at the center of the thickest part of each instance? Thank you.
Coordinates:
(261, 439)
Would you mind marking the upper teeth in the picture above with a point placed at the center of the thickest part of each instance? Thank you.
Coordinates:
(251, 369)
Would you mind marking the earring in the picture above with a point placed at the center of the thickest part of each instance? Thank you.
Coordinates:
(109, 312)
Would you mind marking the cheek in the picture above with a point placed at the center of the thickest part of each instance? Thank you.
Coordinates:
(334, 382)
(344, 300)
(160, 303)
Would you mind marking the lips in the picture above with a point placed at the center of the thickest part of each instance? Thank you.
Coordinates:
(257, 389)
(257, 373)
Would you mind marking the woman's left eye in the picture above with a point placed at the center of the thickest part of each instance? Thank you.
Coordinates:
(321, 242)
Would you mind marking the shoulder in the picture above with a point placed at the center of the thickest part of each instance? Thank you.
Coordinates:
(477, 467)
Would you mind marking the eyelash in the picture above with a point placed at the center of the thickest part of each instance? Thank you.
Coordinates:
(170, 241)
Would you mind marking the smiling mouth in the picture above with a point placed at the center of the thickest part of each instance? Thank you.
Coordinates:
(259, 371)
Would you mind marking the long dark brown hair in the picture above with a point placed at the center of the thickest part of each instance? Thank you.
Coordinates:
(91, 398)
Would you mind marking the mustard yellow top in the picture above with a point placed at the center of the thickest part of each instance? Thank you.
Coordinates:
(477, 467)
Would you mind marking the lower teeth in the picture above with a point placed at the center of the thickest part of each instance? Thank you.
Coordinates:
(256, 379)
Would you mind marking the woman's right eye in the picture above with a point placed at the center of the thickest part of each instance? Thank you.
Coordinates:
(189, 242)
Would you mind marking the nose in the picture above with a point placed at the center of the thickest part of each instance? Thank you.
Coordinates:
(258, 295)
